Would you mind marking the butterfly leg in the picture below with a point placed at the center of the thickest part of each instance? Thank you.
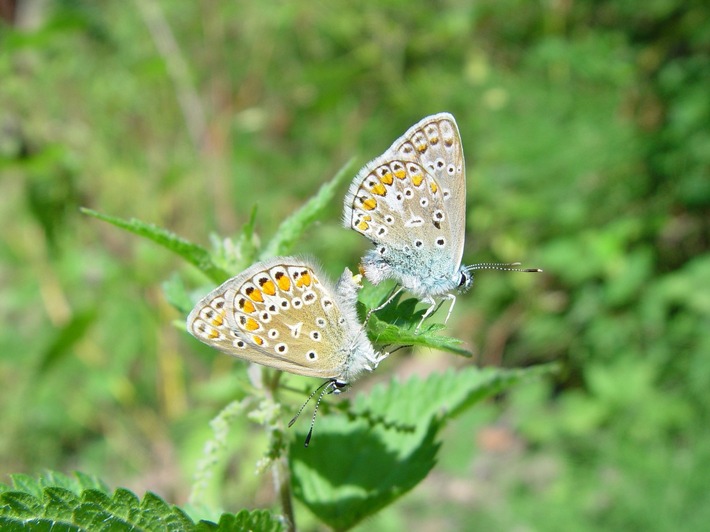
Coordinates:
(452, 297)
(383, 305)
(433, 307)
(429, 311)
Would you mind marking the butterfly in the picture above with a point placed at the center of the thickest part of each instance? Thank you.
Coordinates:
(284, 313)
(411, 203)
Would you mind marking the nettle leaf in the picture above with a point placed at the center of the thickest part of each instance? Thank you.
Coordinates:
(70, 506)
(260, 520)
(360, 463)
(396, 323)
(192, 253)
(294, 226)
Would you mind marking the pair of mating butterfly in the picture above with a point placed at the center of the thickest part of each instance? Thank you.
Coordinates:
(411, 203)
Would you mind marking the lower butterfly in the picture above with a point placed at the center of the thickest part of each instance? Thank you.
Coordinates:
(285, 314)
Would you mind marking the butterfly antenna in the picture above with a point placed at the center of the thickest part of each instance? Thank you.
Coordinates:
(290, 423)
(506, 267)
(315, 413)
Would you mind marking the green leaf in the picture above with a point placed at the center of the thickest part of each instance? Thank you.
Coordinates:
(294, 226)
(18, 504)
(246, 243)
(192, 253)
(260, 520)
(388, 333)
(69, 506)
(358, 464)
(396, 323)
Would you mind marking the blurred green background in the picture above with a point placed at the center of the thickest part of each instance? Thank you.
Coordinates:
(586, 129)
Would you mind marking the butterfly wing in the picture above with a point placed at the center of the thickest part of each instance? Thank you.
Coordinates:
(410, 202)
(282, 313)
(435, 143)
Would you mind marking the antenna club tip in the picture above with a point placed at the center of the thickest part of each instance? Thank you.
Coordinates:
(534, 270)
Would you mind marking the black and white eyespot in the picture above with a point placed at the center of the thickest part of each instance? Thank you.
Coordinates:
(284, 304)
(316, 336)
(447, 194)
(296, 302)
(399, 197)
(265, 317)
(320, 321)
(218, 303)
(208, 313)
(423, 202)
(273, 334)
(441, 242)
(327, 303)
(382, 250)
(381, 231)
(408, 193)
(389, 219)
(418, 243)
(438, 215)
(309, 297)
(240, 344)
(281, 348)
(371, 183)
(272, 308)
(451, 169)
(440, 163)
(312, 355)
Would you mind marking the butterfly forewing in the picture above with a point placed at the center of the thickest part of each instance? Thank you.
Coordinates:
(410, 201)
(435, 143)
(278, 314)
(399, 205)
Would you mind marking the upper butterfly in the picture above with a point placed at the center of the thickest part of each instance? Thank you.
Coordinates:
(285, 314)
(411, 203)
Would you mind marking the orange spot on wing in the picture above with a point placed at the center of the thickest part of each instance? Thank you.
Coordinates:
(269, 287)
(363, 226)
(400, 173)
(304, 279)
(258, 340)
(434, 188)
(217, 320)
(387, 179)
(422, 148)
(379, 189)
(214, 333)
(417, 180)
(246, 306)
(283, 281)
(369, 204)
(254, 294)
(251, 325)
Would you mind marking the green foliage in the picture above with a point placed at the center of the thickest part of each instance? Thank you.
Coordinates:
(387, 444)
(58, 502)
(585, 129)
(190, 252)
